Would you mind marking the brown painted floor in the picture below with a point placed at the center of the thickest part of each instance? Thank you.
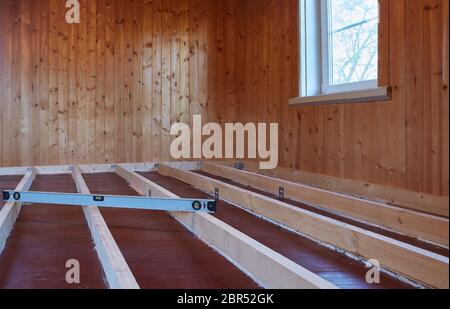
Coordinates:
(8, 183)
(161, 252)
(44, 238)
(334, 267)
(409, 240)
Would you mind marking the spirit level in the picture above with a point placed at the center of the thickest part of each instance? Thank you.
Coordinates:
(114, 201)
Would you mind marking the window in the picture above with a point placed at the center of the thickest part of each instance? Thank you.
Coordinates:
(339, 46)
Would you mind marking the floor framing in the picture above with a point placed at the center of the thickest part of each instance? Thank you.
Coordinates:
(414, 264)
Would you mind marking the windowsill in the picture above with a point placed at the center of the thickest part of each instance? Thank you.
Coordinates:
(359, 96)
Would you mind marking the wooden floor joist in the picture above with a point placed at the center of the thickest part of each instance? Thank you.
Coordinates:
(269, 268)
(415, 263)
(116, 269)
(11, 210)
(424, 202)
(409, 222)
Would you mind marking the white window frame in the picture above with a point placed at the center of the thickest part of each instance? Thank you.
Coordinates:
(315, 41)
(327, 58)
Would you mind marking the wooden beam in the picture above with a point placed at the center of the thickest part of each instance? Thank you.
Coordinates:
(428, 203)
(409, 222)
(11, 210)
(116, 269)
(85, 168)
(415, 263)
(268, 267)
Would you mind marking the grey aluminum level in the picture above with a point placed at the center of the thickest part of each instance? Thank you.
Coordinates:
(113, 201)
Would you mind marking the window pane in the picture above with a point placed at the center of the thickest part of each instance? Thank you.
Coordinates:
(353, 41)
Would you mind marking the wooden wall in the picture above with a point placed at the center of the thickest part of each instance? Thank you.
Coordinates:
(403, 143)
(108, 89)
(104, 90)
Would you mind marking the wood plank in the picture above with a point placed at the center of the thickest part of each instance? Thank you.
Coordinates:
(53, 83)
(186, 78)
(174, 11)
(11, 210)
(85, 168)
(72, 69)
(415, 263)
(81, 85)
(92, 74)
(409, 222)
(119, 85)
(110, 76)
(432, 94)
(7, 59)
(445, 99)
(166, 31)
(428, 203)
(100, 83)
(157, 82)
(62, 90)
(3, 64)
(269, 268)
(132, 133)
(143, 134)
(25, 95)
(117, 272)
(190, 51)
(414, 78)
(43, 88)
(35, 82)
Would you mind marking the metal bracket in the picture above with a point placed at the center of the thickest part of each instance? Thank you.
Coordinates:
(216, 194)
(239, 165)
(112, 201)
(281, 192)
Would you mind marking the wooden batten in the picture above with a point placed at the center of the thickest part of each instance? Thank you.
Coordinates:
(117, 272)
(269, 268)
(11, 210)
(413, 223)
(417, 264)
(419, 201)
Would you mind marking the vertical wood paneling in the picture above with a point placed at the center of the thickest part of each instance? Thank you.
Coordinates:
(109, 88)
(432, 95)
(414, 78)
(119, 79)
(143, 129)
(445, 98)
(62, 75)
(53, 83)
(399, 143)
(16, 41)
(43, 86)
(157, 81)
(92, 74)
(211, 51)
(35, 113)
(110, 56)
(25, 94)
(100, 82)
(166, 31)
(140, 98)
(72, 102)
(81, 81)
(2, 76)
